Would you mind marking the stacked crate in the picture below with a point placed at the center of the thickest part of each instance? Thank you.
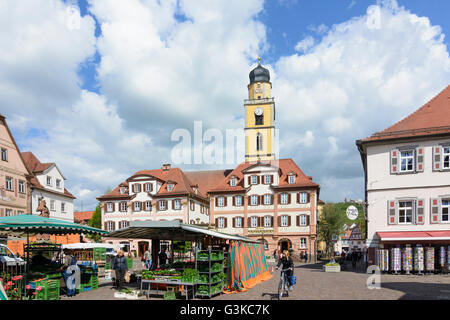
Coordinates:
(50, 290)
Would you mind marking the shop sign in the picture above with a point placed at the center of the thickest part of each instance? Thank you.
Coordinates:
(261, 231)
(352, 213)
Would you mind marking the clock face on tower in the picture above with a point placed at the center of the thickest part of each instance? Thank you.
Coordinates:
(258, 111)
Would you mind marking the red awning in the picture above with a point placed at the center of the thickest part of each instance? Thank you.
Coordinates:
(414, 235)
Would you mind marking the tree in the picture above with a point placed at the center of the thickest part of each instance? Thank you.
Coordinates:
(96, 222)
(331, 225)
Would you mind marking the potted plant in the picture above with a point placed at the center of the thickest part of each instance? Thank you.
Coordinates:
(332, 266)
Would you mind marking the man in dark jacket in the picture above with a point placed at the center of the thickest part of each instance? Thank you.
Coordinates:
(120, 267)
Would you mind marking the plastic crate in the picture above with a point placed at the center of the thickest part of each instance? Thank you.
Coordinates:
(170, 295)
(50, 290)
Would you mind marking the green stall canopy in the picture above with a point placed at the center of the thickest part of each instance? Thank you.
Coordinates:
(33, 224)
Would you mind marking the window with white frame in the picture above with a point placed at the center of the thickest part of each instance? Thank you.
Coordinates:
(254, 200)
(123, 206)
(221, 201)
(407, 161)
(137, 206)
(9, 184)
(291, 179)
(221, 223)
(259, 142)
(233, 182)
(254, 180)
(122, 190)
(238, 201)
(170, 187)
(4, 154)
(109, 207)
(446, 158)
(238, 222)
(21, 186)
(303, 197)
(302, 243)
(303, 220)
(284, 198)
(445, 210)
(284, 221)
(254, 222)
(52, 205)
(8, 212)
(162, 205)
(148, 187)
(177, 204)
(63, 207)
(20, 213)
(49, 181)
(110, 226)
(58, 183)
(267, 179)
(137, 188)
(405, 212)
(267, 199)
(267, 221)
(123, 224)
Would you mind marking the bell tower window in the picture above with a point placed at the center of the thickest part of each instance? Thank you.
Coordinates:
(259, 120)
(259, 142)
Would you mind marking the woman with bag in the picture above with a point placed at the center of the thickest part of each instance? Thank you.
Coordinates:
(287, 263)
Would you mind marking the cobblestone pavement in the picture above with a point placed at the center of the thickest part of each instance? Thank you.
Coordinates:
(314, 284)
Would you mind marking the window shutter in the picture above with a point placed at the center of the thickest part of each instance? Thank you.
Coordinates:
(271, 221)
(271, 179)
(249, 221)
(298, 197)
(234, 202)
(289, 221)
(249, 199)
(307, 220)
(217, 201)
(113, 226)
(224, 201)
(298, 221)
(308, 197)
(225, 224)
(249, 181)
(173, 204)
(420, 213)
(392, 212)
(435, 210)
(279, 221)
(217, 222)
(394, 161)
(271, 199)
(158, 206)
(105, 226)
(437, 155)
(258, 179)
(233, 221)
(279, 198)
(289, 198)
(419, 159)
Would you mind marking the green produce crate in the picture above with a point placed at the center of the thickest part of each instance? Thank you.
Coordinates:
(170, 295)
(130, 263)
(50, 290)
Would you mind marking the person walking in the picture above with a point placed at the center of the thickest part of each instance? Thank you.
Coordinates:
(148, 259)
(120, 267)
(162, 258)
(354, 260)
(306, 257)
(275, 254)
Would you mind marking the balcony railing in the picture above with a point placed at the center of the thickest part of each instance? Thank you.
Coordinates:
(259, 101)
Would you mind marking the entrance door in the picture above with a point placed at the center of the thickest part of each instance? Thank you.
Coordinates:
(284, 244)
(142, 247)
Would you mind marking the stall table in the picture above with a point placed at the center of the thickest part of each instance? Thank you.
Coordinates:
(173, 283)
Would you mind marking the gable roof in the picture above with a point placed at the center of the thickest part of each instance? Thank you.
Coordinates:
(285, 166)
(433, 118)
(82, 215)
(3, 119)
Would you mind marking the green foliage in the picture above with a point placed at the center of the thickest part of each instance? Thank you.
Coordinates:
(96, 222)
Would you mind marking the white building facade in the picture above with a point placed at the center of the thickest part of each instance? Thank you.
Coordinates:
(407, 170)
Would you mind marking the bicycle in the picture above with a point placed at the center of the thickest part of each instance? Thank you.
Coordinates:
(283, 286)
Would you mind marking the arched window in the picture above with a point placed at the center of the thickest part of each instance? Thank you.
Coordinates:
(259, 142)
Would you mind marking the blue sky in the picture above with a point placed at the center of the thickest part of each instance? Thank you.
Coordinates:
(102, 100)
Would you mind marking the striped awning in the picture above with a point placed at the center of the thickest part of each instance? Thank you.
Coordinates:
(28, 223)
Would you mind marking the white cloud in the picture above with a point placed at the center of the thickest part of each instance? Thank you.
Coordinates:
(158, 73)
(305, 44)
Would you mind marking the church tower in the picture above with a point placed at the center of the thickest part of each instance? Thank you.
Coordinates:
(259, 117)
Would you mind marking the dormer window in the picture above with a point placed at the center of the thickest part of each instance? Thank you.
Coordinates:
(170, 187)
(49, 181)
(254, 180)
(291, 179)
(267, 179)
(148, 187)
(122, 190)
(58, 183)
(233, 182)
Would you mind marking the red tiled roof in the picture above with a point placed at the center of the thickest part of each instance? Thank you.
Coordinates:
(34, 166)
(83, 215)
(285, 166)
(432, 118)
(184, 182)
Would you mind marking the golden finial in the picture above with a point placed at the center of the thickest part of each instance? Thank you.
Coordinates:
(259, 60)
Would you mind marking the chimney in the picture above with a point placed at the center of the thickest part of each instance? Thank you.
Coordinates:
(310, 178)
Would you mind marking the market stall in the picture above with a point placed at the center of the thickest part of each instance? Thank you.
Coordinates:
(42, 277)
(210, 262)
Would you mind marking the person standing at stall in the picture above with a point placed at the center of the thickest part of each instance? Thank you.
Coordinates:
(68, 273)
(148, 259)
(120, 267)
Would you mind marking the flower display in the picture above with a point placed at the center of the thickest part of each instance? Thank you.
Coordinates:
(39, 288)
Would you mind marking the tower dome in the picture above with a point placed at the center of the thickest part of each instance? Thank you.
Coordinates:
(259, 74)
